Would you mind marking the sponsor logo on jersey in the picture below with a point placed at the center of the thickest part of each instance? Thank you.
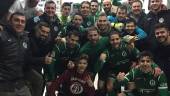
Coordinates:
(24, 45)
(161, 20)
(124, 53)
(152, 82)
(76, 88)
(89, 23)
(55, 28)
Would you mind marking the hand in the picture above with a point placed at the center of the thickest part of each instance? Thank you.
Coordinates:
(120, 76)
(103, 57)
(59, 40)
(121, 94)
(1, 28)
(70, 64)
(157, 72)
(48, 59)
(89, 81)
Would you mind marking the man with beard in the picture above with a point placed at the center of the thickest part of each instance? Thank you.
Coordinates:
(76, 24)
(49, 17)
(107, 6)
(63, 53)
(137, 13)
(161, 52)
(157, 14)
(103, 25)
(40, 47)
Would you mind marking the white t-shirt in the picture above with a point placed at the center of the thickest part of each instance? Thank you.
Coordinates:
(21, 6)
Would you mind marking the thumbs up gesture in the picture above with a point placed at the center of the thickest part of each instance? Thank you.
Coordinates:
(48, 59)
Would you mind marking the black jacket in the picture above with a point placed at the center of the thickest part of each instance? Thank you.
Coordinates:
(39, 49)
(55, 26)
(13, 55)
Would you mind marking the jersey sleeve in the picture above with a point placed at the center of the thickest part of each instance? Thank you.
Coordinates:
(131, 75)
(162, 86)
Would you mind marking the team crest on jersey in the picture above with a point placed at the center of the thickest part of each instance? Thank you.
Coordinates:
(152, 82)
(24, 45)
(55, 28)
(161, 20)
(76, 88)
(36, 19)
(124, 53)
(89, 23)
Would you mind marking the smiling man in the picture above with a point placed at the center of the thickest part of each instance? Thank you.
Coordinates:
(162, 52)
(14, 46)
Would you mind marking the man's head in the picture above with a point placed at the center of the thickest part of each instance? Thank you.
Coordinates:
(18, 21)
(65, 9)
(94, 5)
(155, 5)
(93, 35)
(50, 8)
(130, 26)
(72, 38)
(145, 60)
(102, 21)
(121, 12)
(115, 39)
(42, 30)
(136, 7)
(77, 19)
(107, 5)
(85, 8)
(161, 33)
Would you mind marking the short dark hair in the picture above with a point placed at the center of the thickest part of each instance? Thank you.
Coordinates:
(50, 2)
(129, 20)
(94, 1)
(82, 56)
(73, 32)
(84, 2)
(161, 25)
(92, 28)
(122, 7)
(114, 33)
(66, 4)
(145, 54)
(16, 13)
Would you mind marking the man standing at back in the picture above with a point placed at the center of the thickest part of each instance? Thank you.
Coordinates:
(13, 49)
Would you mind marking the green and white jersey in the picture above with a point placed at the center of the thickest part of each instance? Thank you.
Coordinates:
(61, 53)
(119, 59)
(88, 21)
(146, 83)
(64, 20)
(94, 51)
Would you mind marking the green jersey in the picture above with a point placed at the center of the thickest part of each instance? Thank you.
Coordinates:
(62, 53)
(119, 59)
(146, 83)
(94, 51)
(88, 21)
(64, 20)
